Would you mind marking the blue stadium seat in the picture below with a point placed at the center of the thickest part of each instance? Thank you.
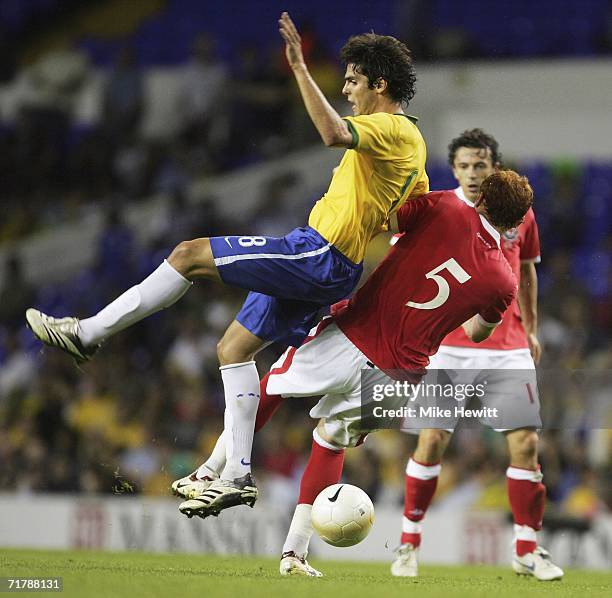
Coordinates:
(15, 15)
(519, 28)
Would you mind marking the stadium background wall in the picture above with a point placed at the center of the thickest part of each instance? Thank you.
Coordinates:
(151, 525)
(537, 109)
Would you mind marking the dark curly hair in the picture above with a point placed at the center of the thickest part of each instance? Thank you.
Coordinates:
(382, 57)
(475, 138)
(507, 196)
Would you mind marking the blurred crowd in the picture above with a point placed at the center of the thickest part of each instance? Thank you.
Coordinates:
(224, 115)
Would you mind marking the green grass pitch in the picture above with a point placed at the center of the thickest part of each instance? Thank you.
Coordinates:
(97, 574)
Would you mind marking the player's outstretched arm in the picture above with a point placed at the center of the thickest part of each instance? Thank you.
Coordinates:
(333, 130)
(477, 330)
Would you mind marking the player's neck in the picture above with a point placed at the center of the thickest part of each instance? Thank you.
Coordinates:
(463, 195)
(385, 105)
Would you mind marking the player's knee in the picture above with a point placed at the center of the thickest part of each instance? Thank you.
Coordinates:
(193, 259)
(524, 445)
(231, 351)
(432, 444)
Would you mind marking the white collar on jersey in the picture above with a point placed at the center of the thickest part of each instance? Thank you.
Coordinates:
(488, 226)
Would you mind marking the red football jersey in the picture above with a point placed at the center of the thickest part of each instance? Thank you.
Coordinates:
(520, 244)
(447, 268)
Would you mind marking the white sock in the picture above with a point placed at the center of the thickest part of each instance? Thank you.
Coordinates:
(524, 532)
(241, 385)
(300, 531)
(160, 289)
(213, 466)
(411, 527)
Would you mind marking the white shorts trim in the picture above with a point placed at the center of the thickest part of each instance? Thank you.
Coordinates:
(230, 259)
(480, 359)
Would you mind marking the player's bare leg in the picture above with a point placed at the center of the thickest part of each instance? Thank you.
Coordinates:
(189, 261)
(422, 474)
(194, 260)
(527, 496)
(431, 446)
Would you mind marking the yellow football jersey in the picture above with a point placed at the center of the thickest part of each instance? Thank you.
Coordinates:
(383, 168)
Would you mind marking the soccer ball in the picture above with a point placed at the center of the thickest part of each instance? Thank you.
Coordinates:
(342, 515)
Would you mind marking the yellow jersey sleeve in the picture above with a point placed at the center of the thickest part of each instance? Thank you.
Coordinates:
(373, 134)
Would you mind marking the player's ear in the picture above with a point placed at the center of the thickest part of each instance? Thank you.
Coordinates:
(380, 85)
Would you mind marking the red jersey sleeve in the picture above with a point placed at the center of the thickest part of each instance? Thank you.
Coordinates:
(493, 314)
(530, 242)
(411, 214)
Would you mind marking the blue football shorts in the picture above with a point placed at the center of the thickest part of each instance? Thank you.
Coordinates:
(290, 278)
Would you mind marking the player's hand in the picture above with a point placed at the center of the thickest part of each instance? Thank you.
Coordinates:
(293, 41)
(534, 347)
